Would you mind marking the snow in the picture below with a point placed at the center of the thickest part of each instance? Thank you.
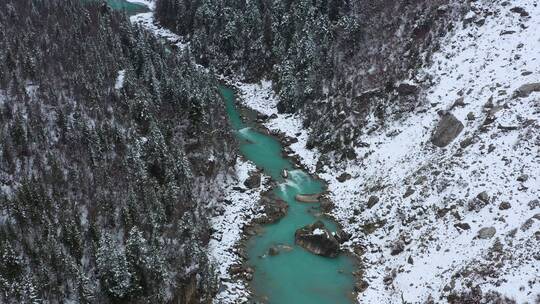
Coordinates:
(240, 208)
(148, 21)
(261, 98)
(318, 231)
(120, 80)
(478, 63)
(149, 3)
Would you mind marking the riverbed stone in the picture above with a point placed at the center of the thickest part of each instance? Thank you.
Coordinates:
(342, 236)
(273, 251)
(316, 239)
(447, 130)
(275, 209)
(326, 204)
(361, 286)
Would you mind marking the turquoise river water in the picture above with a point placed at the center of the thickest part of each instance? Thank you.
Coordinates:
(294, 276)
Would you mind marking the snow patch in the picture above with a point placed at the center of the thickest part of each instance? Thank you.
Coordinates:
(120, 80)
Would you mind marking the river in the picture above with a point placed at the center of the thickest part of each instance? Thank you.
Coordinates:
(294, 276)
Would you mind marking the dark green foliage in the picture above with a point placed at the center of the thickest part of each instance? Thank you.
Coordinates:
(100, 187)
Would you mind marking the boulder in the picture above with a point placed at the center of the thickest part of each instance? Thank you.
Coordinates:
(253, 181)
(408, 192)
(342, 236)
(519, 10)
(447, 130)
(316, 239)
(372, 201)
(486, 233)
(274, 209)
(273, 251)
(526, 89)
(397, 248)
(462, 226)
(407, 89)
(361, 286)
(466, 142)
(479, 202)
(523, 178)
(483, 196)
(505, 206)
(307, 198)
(343, 177)
(326, 204)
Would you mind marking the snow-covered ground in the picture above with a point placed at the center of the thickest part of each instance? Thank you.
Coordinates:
(239, 208)
(479, 62)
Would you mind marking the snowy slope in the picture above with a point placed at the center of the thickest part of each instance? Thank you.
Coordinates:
(239, 208)
(488, 57)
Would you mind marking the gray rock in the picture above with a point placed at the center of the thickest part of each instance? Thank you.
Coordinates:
(273, 251)
(519, 10)
(470, 116)
(372, 201)
(460, 102)
(361, 286)
(343, 177)
(342, 236)
(526, 89)
(316, 239)
(527, 225)
(407, 89)
(397, 248)
(466, 142)
(408, 192)
(483, 196)
(326, 204)
(462, 226)
(486, 233)
(447, 130)
(274, 210)
(533, 204)
(523, 178)
(505, 206)
(253, 181)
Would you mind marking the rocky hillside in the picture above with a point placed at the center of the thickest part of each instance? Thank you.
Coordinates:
(442, 200)
(112, 147)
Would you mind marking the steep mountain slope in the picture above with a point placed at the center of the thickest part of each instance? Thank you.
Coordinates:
(443, 200)
(112, 148)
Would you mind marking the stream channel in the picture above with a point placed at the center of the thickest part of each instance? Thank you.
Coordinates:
(294, 275)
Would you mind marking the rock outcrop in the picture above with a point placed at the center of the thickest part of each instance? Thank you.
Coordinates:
(526, 89)
(253, 181)
(317, 239)
(274, 209)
